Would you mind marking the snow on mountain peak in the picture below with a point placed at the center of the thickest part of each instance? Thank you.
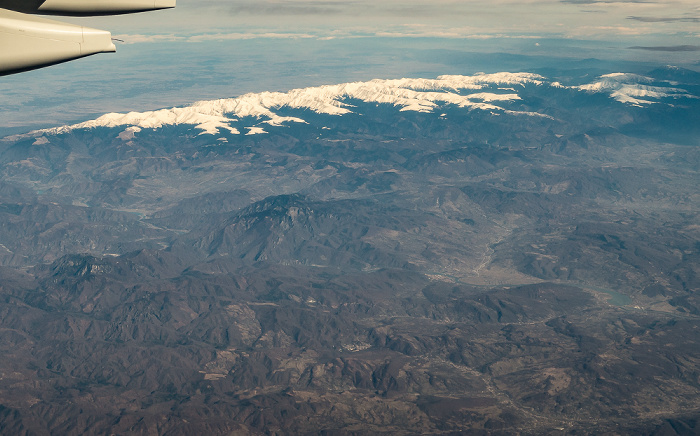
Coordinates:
(488, 92)
(632, 89)
(421, 95)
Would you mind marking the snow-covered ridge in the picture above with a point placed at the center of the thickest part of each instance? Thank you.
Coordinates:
(632, 89)
(423, 95)
(486, 92)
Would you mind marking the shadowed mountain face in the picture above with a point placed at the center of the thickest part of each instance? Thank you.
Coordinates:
(496, 254)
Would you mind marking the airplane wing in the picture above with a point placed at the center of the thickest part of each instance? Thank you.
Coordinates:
(28, 42)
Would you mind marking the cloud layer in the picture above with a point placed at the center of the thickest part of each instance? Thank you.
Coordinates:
(672, 48)
(598, 19)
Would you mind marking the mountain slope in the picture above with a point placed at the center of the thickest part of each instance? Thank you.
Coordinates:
(501, 253)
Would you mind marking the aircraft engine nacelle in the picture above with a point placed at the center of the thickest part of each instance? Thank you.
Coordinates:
(28, 42)
(102, 7)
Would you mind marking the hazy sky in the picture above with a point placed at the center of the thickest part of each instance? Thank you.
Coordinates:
(670, 22)
(207, 49)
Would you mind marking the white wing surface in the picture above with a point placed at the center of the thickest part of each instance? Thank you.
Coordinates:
(28, 42)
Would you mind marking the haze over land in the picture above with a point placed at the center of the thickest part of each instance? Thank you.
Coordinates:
(304, 217)
(500, 253)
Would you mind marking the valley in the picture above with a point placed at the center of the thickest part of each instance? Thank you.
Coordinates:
(493, 254)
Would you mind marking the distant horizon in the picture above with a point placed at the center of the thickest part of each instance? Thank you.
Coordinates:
(204, 49)
(78, 91)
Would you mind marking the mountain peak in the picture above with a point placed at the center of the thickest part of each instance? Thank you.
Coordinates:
(492, 92)
(480, 91)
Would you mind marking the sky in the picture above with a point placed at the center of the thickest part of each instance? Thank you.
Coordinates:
(667, 23)
(206, 49)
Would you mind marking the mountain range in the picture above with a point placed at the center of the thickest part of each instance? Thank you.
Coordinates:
(503, 253)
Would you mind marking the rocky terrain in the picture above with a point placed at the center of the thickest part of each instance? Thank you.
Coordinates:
(492, 254)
